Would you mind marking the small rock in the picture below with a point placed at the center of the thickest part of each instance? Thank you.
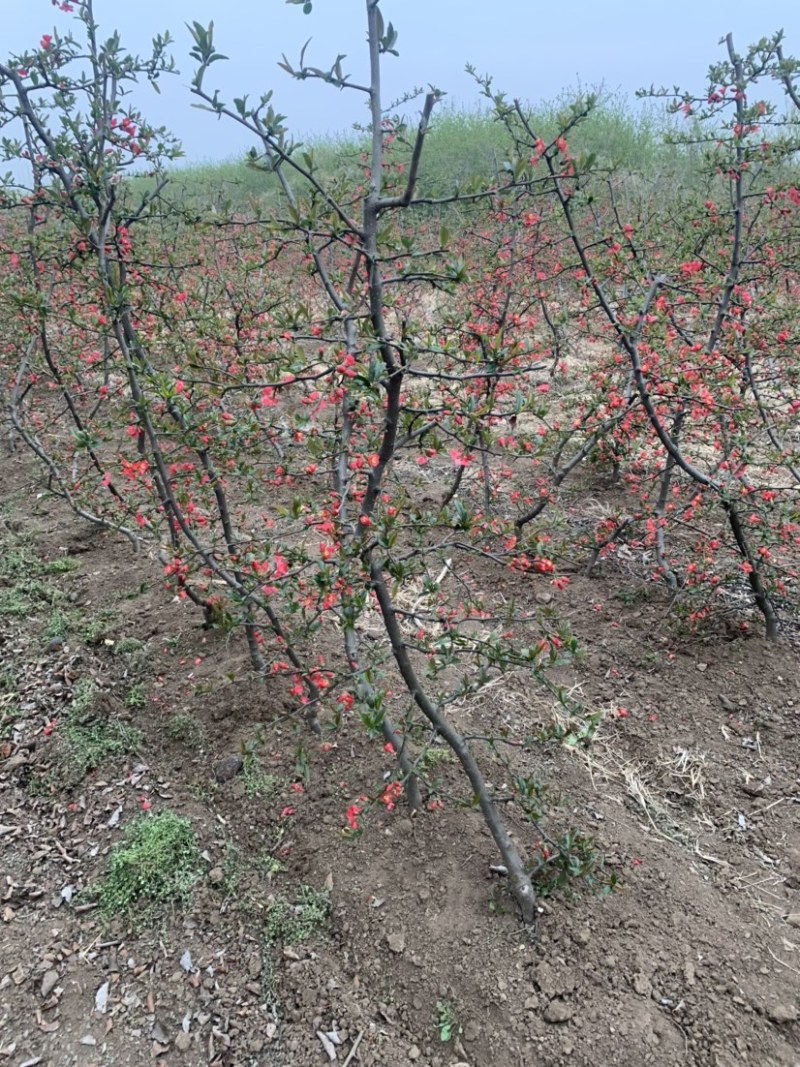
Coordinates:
(642, 985)
(55, 645)
(183, 1042)
(793, 918)
(216, 875)
(414, 1052)
(702, 667)
(159, 1034)
(559, 1011)
(396, 941)
(582, 936)
(327, 1044)
(254, 966)
(472, 1031)
(782, 1013)
(49, 982)
(753, 789)
(228, 768)
(88, 1040)
(545, 978)
(101, 998)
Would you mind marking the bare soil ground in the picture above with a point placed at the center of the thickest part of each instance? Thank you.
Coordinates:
(690, 786)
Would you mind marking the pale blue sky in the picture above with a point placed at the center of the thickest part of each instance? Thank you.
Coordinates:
(535, 50)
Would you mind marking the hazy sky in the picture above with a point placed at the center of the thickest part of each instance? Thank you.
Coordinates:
(535, 50)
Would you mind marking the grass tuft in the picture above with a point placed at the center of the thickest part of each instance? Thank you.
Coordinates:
(90, 740)
(157, 862)
(290, 922)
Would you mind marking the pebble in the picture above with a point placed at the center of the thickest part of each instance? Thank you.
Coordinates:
(642, 985)
(396, 941)
(49, 982)
(559, 1011)
(782, 1013)
(228, 768)
(472, 1031)
(183, 1042)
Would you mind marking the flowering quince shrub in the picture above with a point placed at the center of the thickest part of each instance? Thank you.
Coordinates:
(691, 300)
(329, 416)
(251, 399)
(409, 368)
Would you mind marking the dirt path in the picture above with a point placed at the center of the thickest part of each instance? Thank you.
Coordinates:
(116, 707)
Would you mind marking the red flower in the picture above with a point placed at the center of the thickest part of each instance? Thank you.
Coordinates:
(351, 815)
(459, 458)
(693, 266)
